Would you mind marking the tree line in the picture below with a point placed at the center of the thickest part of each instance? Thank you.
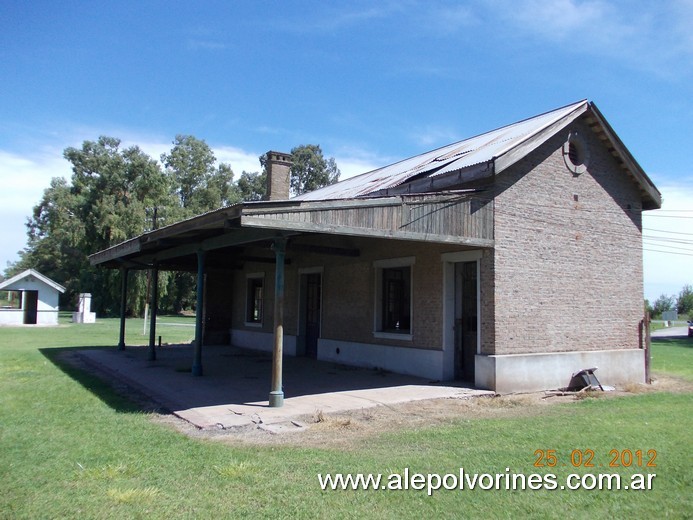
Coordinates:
(682, 304)
(118, 193)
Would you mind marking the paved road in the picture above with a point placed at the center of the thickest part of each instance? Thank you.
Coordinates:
(670, 332)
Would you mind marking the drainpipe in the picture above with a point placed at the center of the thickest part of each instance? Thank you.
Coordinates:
(276, 396)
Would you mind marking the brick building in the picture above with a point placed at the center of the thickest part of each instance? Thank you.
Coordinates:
(511, 259)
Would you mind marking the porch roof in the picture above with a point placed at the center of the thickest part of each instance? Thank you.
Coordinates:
(460, 217)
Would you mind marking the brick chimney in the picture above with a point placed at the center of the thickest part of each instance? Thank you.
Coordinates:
(278, 184)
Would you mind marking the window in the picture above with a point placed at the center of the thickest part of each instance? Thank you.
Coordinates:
(11, 299)
(394, 298)
(576, 154)
(254, 299)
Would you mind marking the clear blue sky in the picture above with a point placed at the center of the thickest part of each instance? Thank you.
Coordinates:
(370, 82)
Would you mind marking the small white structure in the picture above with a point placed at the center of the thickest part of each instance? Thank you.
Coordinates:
(37, 300)
(84, 314)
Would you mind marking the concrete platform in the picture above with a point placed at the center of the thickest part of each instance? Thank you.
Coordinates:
(234, 390)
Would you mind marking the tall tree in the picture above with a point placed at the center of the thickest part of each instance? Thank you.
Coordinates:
(103, 205)
(197, 182)
(55, 235)
(662, 304)
(199, 185)
(252, 186)
(310, 170)
(684, 303)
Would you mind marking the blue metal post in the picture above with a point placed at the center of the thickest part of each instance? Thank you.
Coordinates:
(276, 397)
(152, 316)
(197, 361)
(123, 305)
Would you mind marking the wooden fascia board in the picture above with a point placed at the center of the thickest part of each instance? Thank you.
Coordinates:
(213, 220)
(534, 141)
(309, 227)
(645, 183)
(130, 247)
(322, 205)
(154, 239)
(236, 237)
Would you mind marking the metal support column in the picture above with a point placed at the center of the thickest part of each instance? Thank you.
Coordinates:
(152, 313)
(276, 397)
(197, 361)
(123, 305)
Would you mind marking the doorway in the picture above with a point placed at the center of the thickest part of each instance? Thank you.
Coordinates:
(466, 319)
(30, 307)
(311, 304)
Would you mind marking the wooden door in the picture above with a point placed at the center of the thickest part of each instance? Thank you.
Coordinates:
(466, 318)
(30, 307)
(311, 312)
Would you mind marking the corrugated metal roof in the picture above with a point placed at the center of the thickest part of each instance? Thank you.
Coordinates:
(475, 150)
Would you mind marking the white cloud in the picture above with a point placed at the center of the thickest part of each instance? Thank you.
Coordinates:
(432, 136)
(353, 166)
(581, 22)
(23, 180)
(649, 36)
(240, 160)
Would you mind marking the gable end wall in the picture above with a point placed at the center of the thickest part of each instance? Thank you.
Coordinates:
(567, 274)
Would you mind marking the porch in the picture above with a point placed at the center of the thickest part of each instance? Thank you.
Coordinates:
(233, 392)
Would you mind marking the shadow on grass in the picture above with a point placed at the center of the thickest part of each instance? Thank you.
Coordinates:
(232, 375)
(676, 341)
(113, 393)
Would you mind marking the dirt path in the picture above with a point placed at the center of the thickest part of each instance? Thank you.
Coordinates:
(349, 430)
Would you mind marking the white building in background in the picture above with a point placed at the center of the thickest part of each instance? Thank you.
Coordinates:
(32, 299)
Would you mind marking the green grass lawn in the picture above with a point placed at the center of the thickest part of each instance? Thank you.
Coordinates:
(673, 356)
(70, 448)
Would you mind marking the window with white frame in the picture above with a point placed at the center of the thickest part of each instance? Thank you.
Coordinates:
(255, 296)
(393, 307)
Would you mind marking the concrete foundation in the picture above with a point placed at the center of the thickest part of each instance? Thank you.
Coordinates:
(534, 372)
(412, 361)
(263, 341)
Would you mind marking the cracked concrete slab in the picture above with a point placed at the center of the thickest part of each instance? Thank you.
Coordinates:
(234, 390)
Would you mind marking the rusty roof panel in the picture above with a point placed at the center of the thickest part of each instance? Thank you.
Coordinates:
(475, 150)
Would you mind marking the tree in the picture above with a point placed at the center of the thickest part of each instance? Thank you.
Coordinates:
(252, 186)
(104, 204)
(54, 239)
(310, 170)
(198, 184)
(662, 304)
(684, 303)
(648, 307)
(111, 196)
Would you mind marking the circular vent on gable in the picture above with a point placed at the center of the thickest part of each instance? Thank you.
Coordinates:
(576, 154)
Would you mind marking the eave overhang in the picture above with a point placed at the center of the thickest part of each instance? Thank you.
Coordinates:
(460, 218)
